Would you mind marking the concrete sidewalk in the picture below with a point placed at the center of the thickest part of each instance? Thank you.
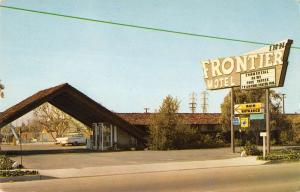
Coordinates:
(153, 167)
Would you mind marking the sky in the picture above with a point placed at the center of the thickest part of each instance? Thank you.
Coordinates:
(128, 69)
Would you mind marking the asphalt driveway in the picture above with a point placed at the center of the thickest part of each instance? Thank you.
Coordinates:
(99, 159)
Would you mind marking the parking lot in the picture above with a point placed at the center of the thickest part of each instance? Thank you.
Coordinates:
(57, 157)
(40, 148)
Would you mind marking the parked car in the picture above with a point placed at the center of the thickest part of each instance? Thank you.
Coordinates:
(72, 138)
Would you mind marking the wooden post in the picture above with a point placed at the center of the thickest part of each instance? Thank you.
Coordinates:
(268, 120)
(102, 136)
(231, 120)
(111, 135)
(96, 133)
(264, 147)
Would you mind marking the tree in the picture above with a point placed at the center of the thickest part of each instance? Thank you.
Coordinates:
(295, 119)
(56, 122)
(33, 127)
(167, 128)
(81, 128)
(6, 132)
(251, 96)
(1, 90)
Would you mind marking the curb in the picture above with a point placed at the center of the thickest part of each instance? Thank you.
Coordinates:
(149, 168)
(20, 178)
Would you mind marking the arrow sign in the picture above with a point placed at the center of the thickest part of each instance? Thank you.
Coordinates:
(248, 108)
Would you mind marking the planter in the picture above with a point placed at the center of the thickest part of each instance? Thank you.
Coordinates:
(20, 178)
(18, 175)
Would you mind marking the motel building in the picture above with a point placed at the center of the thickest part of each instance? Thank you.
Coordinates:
(108, 136)
(110, 131)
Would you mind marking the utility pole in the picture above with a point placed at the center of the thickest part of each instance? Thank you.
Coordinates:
(283, 96)
(193, 103)
(204, 103)
(231, 120)
(146, 109)
(268, 119)
(1, 90)
(1, 94)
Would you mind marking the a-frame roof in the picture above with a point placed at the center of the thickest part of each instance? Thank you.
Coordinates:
(73, 102)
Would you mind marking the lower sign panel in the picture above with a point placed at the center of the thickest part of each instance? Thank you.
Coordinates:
(258, 79)
(257, 116)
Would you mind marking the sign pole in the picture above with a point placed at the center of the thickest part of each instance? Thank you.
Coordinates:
(268, 120)
(231, 120)
(20, 142)
(264, 134)
(264, 147)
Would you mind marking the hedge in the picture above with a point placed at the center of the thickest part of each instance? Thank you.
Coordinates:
(251, 149)
(283, 155)
(14, 173)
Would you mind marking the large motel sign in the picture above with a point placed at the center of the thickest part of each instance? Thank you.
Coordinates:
(260, 69)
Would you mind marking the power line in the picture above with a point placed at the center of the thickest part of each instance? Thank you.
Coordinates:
(204, 103)
(138, 26)
(283, 96)
(193, 103)
(146, 109)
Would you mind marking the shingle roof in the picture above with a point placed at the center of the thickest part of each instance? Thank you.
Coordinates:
(189, 118)
(73, 102)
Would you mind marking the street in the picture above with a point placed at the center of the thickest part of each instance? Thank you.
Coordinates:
(40, 148)
(272, 177)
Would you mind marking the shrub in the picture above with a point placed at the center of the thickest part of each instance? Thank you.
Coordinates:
(209, 141)
(251, 149)
(5, 163)
(237, 142)
(273, 141)
(283, 155)
(287, 137)
(14, 173)
(219, 139)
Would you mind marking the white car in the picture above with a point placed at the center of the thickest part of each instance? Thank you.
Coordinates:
(73, 139)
